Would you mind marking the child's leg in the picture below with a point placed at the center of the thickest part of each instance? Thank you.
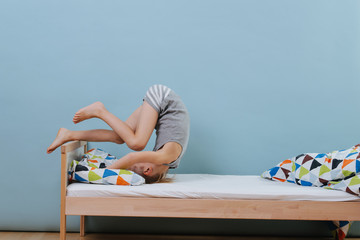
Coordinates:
(144, 118)
(98, 135)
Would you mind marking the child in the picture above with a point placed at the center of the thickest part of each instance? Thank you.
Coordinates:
(163, 110)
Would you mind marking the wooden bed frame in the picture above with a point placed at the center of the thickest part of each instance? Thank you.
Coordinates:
(191, 208)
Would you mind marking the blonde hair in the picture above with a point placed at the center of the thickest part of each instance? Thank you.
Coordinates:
(158, 178)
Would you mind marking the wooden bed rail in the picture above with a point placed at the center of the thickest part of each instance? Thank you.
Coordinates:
(213, 208)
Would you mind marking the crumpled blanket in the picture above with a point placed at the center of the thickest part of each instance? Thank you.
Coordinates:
(337, 170)
(92, 169)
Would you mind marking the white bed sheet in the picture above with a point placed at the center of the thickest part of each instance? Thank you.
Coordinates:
(208, 186)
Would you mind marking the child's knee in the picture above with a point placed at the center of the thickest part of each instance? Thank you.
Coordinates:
(136, 145)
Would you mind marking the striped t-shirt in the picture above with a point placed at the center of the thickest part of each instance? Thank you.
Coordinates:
(173, 124)
(156, 94)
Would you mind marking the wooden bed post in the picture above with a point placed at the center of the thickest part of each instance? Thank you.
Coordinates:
(63, 194)
(68, 153)
(82, 217)
(82, 226)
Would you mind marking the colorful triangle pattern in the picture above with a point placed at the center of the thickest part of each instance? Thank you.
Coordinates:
(92, 169)
(338, 170)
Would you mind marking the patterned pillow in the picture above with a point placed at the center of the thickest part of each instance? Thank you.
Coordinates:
(338, 170)
(92, 169)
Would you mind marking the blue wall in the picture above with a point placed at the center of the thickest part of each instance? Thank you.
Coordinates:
(263, 80)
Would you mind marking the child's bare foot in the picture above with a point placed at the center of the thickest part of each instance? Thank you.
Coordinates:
(61, 138)
(91, 111)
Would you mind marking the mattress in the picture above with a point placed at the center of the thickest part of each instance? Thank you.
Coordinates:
(209, 186)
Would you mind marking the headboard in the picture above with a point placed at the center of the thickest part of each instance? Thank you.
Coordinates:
(70, 151)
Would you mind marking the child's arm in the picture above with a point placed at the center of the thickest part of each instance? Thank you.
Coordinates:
(136, 157)
(168, 153)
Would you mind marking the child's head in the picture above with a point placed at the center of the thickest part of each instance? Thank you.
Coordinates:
(152, 173)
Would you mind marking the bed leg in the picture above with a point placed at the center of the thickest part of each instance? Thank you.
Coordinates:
(63, 227)
(82, 226)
